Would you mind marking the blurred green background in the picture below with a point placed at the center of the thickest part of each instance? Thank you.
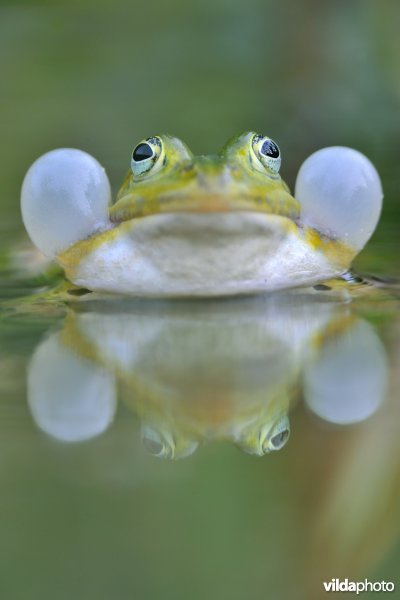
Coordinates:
(102, 75)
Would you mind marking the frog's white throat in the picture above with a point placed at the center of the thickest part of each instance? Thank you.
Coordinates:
(202, 254)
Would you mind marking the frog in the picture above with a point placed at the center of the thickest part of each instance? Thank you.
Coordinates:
(201, 226)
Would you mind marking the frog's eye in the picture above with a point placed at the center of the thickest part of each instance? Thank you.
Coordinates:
(340, 194)
(147, 156)
(267, 153)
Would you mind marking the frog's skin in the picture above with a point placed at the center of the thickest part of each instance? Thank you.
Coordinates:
(202, 226)
(196, 372)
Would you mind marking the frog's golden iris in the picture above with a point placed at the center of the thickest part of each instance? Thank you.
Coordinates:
(185, 225)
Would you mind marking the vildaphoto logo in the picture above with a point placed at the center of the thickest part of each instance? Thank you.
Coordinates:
(337, 585)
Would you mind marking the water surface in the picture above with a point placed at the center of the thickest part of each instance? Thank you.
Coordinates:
(233, 448)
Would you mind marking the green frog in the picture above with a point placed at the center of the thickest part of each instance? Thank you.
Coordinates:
(185, 225)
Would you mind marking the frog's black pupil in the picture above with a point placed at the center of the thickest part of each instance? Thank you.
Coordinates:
(269, 148)
(142, 151)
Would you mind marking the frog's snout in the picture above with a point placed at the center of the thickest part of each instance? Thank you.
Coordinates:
(210, 176)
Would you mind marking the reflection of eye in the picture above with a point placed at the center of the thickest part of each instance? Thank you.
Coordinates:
(154, 447)
(267, 152)
(279, 440)
(157, 444)
(163, 444)
(261, 438)
(146, 156)
(277, 436)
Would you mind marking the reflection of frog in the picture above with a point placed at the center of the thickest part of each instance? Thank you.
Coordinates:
(202, 371)
(216, 225)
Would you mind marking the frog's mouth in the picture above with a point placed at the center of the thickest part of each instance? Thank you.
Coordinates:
(193, 253)
(133, 206)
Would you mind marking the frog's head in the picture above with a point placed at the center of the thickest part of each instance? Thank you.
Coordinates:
(165, 177)
(206, 225)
